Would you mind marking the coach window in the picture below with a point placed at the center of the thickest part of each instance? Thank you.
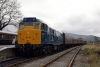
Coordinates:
(21, 26)
(36, 25)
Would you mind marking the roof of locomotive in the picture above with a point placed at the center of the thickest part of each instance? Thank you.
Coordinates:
(31, 19)
(34, 19)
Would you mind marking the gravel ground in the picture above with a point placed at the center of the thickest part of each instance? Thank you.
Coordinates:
(79, 61)
(41, 61)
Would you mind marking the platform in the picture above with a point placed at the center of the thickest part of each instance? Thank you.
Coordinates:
(3, 47)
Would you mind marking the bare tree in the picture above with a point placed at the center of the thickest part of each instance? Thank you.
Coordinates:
(9, 13)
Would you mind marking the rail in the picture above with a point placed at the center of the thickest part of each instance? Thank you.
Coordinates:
(72, 60)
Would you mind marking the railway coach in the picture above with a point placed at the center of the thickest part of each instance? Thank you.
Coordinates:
(34, 36)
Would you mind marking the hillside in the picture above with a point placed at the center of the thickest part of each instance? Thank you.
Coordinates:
(85, 37)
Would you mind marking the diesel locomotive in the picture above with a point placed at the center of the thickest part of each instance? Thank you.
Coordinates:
(35, 37)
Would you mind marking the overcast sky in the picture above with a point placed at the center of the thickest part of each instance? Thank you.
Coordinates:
(70, 16)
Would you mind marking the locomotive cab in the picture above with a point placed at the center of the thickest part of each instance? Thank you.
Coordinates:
(29, 31)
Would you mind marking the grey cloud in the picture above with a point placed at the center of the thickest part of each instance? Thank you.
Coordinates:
(79, 26)
(67, 16)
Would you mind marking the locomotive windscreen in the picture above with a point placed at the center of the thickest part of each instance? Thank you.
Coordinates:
(31, 19)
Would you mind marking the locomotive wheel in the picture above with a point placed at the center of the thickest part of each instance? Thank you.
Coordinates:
(51, 48)
(45, 49)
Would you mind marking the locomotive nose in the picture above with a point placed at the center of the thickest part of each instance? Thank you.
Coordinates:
(29, 37)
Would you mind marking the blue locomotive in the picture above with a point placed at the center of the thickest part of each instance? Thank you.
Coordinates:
(35, 37)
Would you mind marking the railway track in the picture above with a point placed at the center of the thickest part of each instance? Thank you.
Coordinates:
(8, 59)
(49, 64)
(11, 61)
(19, 62)
(72, 60)
(37, 60)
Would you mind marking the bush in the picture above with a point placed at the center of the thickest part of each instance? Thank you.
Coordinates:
(88, 49)
(92, 55)
(97, 50)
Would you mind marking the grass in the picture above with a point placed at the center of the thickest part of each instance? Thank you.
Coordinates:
(92, 55)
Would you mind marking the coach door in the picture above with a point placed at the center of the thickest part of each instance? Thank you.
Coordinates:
(44, 33)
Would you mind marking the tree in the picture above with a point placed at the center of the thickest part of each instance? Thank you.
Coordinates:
(9, 13)
(96, 39)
